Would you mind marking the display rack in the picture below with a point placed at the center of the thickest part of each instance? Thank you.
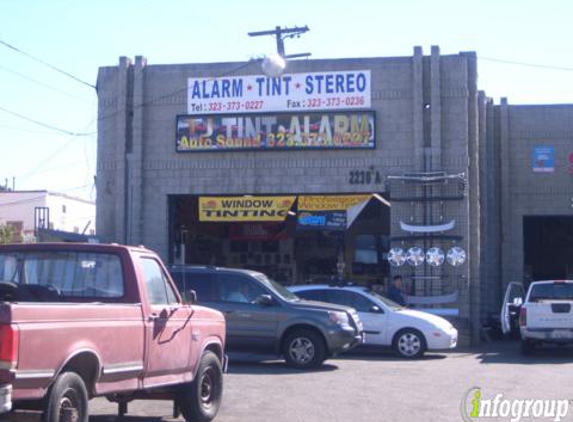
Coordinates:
(421, 203)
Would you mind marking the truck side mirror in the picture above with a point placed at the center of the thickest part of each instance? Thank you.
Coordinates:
(517, 301)
(190, 296)
(264, 300)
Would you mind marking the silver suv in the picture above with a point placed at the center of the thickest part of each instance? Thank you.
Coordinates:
(264, 317)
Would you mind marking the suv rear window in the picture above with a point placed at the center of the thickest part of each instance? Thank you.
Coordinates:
(551, 291)
(318, 295)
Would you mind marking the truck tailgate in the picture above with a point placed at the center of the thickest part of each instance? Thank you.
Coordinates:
(550, 314)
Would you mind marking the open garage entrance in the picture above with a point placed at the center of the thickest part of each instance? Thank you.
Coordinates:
(548, 247)
(284, 250)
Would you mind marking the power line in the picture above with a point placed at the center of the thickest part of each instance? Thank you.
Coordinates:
(20, 201)
(67, 132)
(36, 198)
(63, 72)
(17, 129)
(43, 84)
(541, 66)
(49, 158)
(172, 94)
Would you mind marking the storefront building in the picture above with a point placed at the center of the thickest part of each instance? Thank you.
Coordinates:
(350, 168)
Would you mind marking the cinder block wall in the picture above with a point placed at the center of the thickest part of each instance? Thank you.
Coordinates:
(427, 119)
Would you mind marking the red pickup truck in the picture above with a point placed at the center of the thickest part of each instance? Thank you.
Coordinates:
(84, 320)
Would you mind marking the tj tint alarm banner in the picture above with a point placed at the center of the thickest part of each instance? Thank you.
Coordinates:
(275, 132)
(295, 92)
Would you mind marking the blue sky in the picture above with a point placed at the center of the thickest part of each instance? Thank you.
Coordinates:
(523, 49)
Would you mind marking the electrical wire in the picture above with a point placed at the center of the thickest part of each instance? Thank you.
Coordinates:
(63, 72)
(43, 84)
(67, 132)
(17, 129)
(541, 66)
(36, 198)
(174, 93)
(21, 201)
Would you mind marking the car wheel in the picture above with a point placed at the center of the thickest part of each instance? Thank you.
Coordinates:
(200, 400)
(67, 399)
(527, 347)
(304, 349)
(409, 344)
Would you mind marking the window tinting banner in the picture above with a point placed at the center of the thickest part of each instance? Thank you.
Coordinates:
(241, 208)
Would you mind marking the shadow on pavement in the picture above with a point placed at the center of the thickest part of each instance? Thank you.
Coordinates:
(274, 367)
(384, 354)
(127, 418)
(508, 352)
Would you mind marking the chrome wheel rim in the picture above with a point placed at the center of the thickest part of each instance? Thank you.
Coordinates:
(409, 344)
(69, 408)
(301, 350)
(207, 388)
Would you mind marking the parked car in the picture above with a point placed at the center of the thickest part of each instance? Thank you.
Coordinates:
(410, 333)
(84, 320)
(545, 313)
(264, 317)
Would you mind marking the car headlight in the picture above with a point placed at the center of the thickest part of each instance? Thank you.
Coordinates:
(340, 318)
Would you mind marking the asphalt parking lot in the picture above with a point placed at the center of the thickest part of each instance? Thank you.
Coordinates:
(374, 386)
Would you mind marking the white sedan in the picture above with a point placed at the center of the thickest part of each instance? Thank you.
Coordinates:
(410, 333)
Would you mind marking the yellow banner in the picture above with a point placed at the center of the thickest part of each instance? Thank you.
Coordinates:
(241, 208)
(330, 202)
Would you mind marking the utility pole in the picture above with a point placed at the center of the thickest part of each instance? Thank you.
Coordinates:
(280, 34)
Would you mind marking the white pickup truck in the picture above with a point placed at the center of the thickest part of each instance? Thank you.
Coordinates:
(545, 314)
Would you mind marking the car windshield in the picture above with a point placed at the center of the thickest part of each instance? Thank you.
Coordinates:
(278, 288)
(390, 303)
(551, 291)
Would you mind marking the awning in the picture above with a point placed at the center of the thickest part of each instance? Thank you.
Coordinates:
(315, 212)
(329, 212)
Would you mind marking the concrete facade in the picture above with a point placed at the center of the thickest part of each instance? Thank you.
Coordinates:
(525, 192)
(430, 117)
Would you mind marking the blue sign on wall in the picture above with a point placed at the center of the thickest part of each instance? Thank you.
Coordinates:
(543, 159)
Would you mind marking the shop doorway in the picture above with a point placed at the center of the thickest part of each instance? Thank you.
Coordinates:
(548, 248)
(280, 249)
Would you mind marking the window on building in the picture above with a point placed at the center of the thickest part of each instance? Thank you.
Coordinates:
(366, 251)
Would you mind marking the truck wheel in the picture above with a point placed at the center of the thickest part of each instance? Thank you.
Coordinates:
(67, 400)
(200, 400)
(304, 349)
(409, 343)
(527, 347)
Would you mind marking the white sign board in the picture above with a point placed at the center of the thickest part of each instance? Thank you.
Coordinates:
(295, 92)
